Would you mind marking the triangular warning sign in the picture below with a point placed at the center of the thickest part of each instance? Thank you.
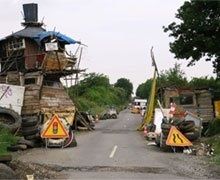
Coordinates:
(55, 129)
(176, 138)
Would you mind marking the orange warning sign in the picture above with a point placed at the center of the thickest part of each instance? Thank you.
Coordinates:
(176, 138)
(55, 129)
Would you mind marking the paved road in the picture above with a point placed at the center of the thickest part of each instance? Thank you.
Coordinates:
(114, 151)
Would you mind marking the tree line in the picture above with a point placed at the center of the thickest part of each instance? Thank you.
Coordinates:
(176, 77)
(197, 33)
(196, 36)
(94, 93)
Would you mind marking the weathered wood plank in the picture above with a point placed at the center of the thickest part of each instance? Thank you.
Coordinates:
(5, 158)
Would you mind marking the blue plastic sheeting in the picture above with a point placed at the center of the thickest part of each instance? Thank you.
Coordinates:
(60, 37)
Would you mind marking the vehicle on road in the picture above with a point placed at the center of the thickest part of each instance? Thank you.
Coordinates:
(138, 105)
(111, 113)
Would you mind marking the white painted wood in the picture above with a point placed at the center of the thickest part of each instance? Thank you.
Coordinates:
(12, 96)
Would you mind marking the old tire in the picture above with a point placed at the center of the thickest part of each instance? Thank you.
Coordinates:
(165, 132)
(35, 136)
(166, 126)
(192, 135)
(29, 121)
(192, 129)
(30, 130)
(9, 119)
(71, 141)
(187, 127)
(113, 116)
(187, 123)
(29, 143)
(177, 121)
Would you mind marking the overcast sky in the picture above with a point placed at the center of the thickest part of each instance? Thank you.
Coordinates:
(119, 33)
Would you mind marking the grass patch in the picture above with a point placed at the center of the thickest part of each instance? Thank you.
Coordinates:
(215, 142)
(213, 128)
(6, 139)
(97, 99)
(213, 138)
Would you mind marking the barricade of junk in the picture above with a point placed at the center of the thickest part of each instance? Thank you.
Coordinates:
(34, 103)
(180, 119)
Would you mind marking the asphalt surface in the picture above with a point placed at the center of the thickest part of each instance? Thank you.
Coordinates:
(115, 150)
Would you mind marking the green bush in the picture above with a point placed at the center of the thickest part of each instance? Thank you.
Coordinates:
(213, 128)
(213, 132)
(97, 99)
(95, 94)
(215, 142)
(6, 139)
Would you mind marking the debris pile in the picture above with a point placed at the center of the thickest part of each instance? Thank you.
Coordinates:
(203, 150)
(110, 113)
(187, 128)
(84, 121)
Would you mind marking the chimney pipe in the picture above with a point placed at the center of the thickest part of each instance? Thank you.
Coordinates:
(30, 13)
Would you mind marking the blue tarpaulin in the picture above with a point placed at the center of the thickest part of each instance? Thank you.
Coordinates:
(60, 37)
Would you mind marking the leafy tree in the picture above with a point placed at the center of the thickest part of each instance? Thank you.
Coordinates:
(202, 82)
(197, 33)
(143, 90)
(121, 95)
(126, 85)
(205, 82)
(173, 77)
(91, 80)
(94, 93)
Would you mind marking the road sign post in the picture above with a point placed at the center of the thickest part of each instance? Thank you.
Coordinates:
(176, 138)
(54, 129)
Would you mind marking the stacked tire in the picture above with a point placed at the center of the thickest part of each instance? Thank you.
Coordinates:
(113, 116)
(30, 127)
(165, 127)
(9, 119)
(187, 128)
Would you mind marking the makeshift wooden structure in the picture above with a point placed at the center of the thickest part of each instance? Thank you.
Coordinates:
(196, 101)
(37, 59)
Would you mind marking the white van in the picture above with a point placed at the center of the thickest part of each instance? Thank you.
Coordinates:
(138, 105)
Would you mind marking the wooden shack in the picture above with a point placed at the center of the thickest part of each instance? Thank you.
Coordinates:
(37, 59)
(196, 101)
